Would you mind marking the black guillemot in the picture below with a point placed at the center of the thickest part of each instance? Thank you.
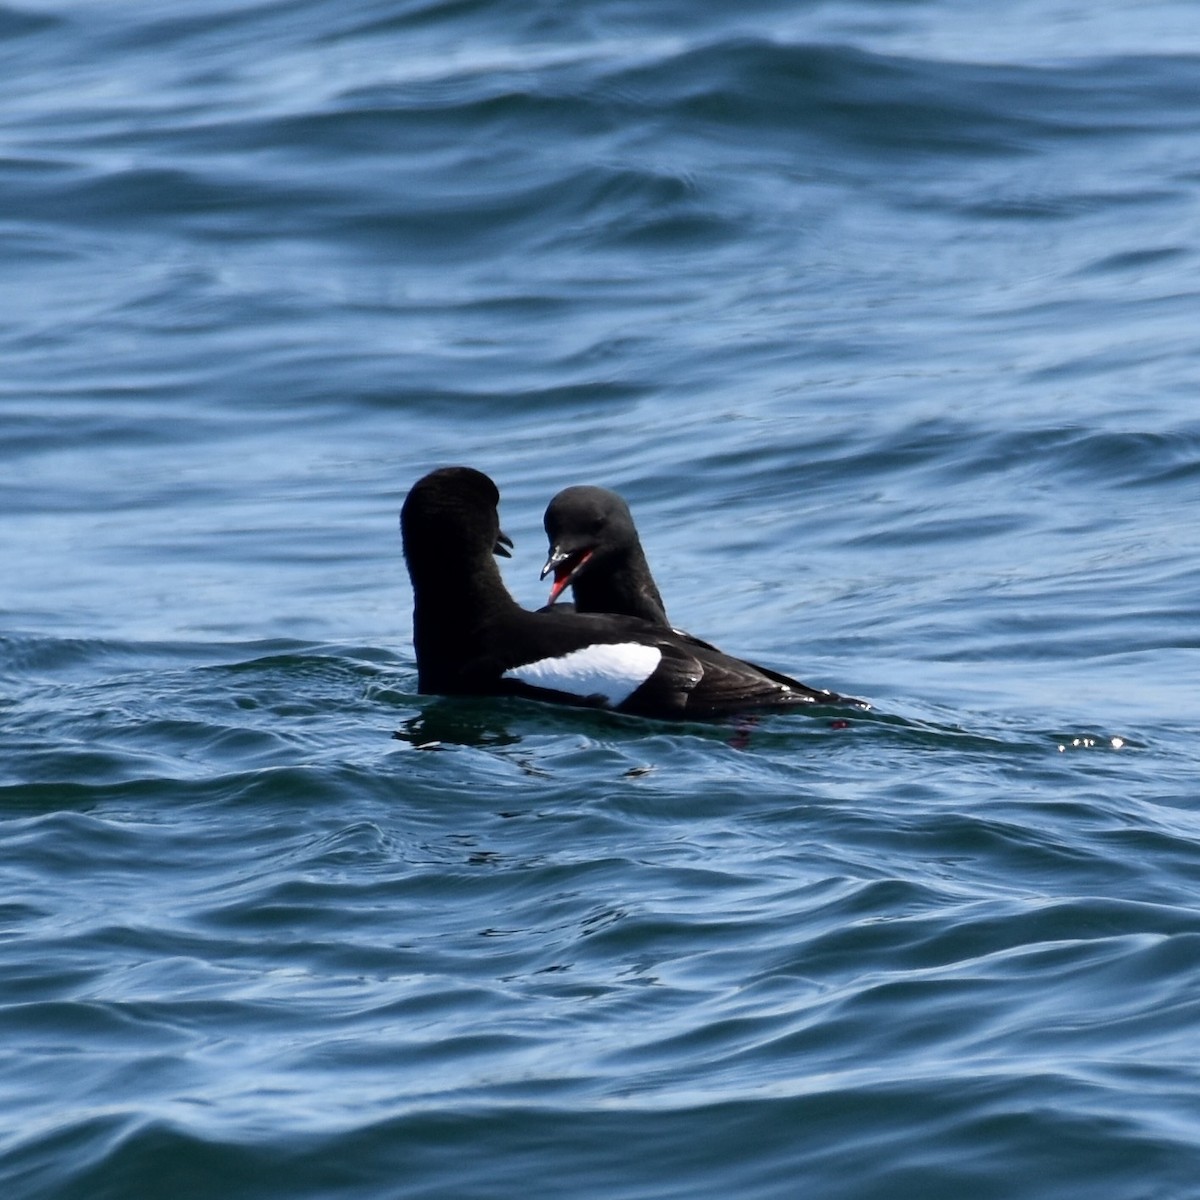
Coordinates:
(596, 552)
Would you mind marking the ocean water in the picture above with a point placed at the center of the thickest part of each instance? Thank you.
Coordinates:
(882, 315)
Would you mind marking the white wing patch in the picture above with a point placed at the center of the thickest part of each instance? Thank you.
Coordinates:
(613, 671)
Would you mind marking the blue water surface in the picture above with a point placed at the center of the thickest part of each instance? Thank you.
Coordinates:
(882, 316)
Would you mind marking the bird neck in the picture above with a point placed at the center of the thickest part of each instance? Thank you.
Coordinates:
(453, 605)
(625, 585)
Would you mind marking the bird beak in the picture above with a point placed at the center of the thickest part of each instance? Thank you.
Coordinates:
(503, 546)
(565, 564)
(556, 556)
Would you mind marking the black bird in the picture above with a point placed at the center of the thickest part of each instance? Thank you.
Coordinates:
(472, 638)
(596, 552)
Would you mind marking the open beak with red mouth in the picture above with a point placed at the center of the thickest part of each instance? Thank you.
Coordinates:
(566, 565)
